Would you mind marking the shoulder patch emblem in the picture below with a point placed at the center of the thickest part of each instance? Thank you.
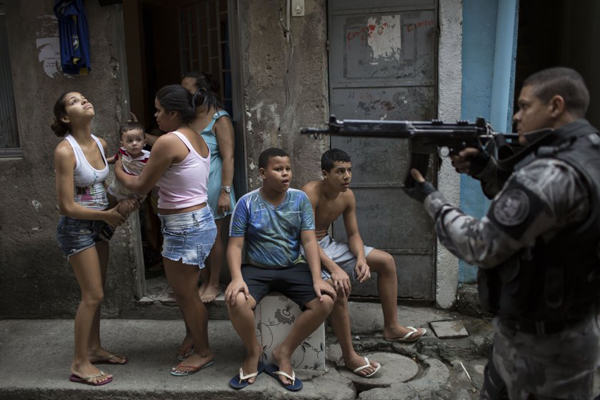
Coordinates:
(512, 208)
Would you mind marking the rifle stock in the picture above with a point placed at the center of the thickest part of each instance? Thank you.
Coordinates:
(425, 137)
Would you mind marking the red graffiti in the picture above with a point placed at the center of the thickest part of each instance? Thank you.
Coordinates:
(367, 32)
(411, 27)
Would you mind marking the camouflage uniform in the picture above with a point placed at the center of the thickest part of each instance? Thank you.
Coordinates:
(538, 201)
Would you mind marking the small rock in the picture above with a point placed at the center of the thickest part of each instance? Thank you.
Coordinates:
(449, 329)
(145, 300)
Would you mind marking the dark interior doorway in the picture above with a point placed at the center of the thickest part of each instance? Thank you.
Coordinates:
(560, 33)
(164, 41)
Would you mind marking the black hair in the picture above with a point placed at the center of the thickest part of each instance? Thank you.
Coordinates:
(59, 127)
(332, 156)
(208, 86)
(266, 155)
(131, 126)
(177, 98)
(565, 82)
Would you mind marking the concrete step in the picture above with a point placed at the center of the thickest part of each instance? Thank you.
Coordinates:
(36, 357)
(166, 308)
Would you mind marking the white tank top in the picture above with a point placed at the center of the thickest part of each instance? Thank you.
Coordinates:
(89, 181)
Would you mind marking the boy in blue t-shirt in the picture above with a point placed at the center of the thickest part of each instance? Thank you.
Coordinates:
(273, 222)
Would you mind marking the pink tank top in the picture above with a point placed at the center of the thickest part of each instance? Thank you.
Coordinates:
(184, 184)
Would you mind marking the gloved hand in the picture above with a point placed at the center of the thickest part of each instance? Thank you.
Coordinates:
(470, 161)
(422, 189)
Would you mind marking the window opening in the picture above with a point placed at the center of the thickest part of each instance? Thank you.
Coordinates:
(9, 135)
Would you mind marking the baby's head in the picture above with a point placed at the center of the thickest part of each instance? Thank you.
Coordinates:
(133, 138)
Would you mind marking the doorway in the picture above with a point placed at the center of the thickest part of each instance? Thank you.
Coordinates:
(164, 41)
(560, 33)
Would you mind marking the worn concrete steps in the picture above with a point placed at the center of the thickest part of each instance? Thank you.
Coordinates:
(36, 355)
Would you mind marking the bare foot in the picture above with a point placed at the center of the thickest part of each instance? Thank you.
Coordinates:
(250, 364)
(354, 361)
(284, 362)
(186, 348)
(86, 369)
(202, 289)
(194, 360)
(398, 332)
(210, 293)
(101, 356)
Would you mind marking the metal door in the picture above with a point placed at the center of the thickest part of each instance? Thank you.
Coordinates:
(382, 64)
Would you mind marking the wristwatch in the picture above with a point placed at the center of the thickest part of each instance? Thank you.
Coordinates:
(226, 189)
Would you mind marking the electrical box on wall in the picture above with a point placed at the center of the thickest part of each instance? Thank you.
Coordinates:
(297, 8)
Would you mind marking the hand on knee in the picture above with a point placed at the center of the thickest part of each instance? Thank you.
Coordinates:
(328, 302)
(341, 301)
(241, 303)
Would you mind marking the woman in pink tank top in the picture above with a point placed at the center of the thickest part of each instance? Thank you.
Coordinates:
(179, 165)
(81, 168)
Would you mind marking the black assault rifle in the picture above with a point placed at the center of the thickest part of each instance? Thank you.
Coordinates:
(425, 138)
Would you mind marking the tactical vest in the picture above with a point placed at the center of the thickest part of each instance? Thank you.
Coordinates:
(558, 280)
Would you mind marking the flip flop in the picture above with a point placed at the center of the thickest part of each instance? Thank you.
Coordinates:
(88, 379)
(367, 365)
(109, 360)
(273, 371)
(188, 352)
(409, 336)
(189, 369)
(241, 381)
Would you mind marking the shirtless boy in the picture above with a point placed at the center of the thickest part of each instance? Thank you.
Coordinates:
(330, 198)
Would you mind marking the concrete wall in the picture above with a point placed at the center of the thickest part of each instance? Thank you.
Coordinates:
(449, 100)
(35, 281)
(265, 56)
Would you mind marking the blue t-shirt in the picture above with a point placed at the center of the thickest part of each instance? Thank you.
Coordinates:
(272, 233)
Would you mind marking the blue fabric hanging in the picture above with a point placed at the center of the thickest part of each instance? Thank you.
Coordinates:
(74, 36)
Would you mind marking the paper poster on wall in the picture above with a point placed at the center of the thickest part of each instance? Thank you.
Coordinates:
(49, 55)
(385, 37)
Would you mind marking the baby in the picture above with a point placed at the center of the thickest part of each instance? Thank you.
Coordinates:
(134, 158)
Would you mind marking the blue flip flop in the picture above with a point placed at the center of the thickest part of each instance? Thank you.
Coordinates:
(241, 381)
(189, 369)
(273, 370)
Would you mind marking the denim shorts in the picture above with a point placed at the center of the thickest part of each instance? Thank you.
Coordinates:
(75, 235)
(188, 237)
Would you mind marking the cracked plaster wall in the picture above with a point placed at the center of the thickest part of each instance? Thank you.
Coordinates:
(35, 280)
(449, 108)
(265, 56)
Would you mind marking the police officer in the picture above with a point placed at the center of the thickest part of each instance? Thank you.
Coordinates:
(537, 248)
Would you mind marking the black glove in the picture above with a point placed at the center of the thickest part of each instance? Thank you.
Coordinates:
(420, 191)
(478, 163)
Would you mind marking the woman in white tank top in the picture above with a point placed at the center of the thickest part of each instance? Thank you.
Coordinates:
(81, 169)
(179, 165)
